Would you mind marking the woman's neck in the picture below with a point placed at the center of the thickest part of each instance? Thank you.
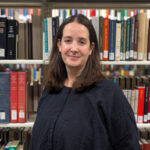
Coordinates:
(72, 74)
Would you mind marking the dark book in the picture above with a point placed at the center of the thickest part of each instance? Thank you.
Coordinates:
(12, 31)
(3, 39)
(146, 103)
(136, 38)
(132, 29)
(112, 39)
(128, 39)
(30, 40)
(4, 97)
(101, 36)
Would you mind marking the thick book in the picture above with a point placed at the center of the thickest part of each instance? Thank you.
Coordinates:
(12, 31)
(13, 96)
(140, 111)
(141, 35)
(112, 39)
(21, 52)
(22, 77)
(4, 97)
(37, 37)
(132, 29)
(105, 38)
(3, 39)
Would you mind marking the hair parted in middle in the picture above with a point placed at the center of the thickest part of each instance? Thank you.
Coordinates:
(56, 72)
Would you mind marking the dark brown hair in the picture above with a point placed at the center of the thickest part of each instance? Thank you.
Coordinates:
(56, 72)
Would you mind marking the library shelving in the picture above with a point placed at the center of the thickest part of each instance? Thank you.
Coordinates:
(47, 7)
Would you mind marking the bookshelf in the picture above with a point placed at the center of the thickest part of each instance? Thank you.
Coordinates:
(47, 6)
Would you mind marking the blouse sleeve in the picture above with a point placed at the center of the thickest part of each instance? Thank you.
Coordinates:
(120, 122)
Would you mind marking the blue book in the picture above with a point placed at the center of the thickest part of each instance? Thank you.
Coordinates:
(46, 36)
(4, 97)
(112, 39)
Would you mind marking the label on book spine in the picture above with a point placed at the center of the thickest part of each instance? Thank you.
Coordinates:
(14, 115)
(2, 52)
(2, 115)
(140, 119)
(111, 56)
(145, 118)
(105, 54)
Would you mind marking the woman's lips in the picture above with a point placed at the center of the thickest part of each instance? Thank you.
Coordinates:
(74, 57)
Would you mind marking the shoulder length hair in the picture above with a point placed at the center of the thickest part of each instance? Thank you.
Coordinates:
(56, 70)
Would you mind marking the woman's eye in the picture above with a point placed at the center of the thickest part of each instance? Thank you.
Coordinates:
(67, 41)
(82, 42)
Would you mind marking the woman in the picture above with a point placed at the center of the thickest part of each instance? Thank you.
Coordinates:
(79, 109)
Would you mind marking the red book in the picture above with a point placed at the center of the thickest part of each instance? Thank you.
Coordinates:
(105, 38)
(13, 97)
(92, 13)
(140, 111)
(146, 144)
(22, 96)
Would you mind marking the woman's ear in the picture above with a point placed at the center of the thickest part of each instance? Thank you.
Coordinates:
(59, 45)
(92, 47)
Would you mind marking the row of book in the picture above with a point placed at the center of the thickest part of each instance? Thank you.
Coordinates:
(20, 14)
(20, 92)
(15, 138)
(144, 138)
(122, 34)
(21, 40)
(137, 91)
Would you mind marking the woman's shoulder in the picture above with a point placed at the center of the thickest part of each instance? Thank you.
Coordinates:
(106, 84)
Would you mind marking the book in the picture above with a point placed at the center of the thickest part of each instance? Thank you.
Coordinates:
(140, 111)
(13, 96)
(22, 79)
(3, 37)
(105, 38)
(37, 36)
(12, 31)
(21, 52)
(141, 35)
(5, 97)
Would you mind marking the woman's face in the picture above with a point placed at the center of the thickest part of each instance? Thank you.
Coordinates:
(75, 45)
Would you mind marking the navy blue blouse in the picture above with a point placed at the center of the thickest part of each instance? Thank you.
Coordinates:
(98, 119)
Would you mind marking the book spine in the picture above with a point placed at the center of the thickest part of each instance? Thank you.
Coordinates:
(146, 103)
(3, 39)
(140, 111)
(128, 40)
(21, 97)
(13, 96)
(101, 37)
(118, 41)
(4, 97)
(105, 38)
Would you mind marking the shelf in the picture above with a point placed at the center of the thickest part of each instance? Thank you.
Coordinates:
(102, 62)
(125, 62)
(20, 4)
(142, 125)
(87, 5)
(30, 124)
(21, 61)
(14, 125)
